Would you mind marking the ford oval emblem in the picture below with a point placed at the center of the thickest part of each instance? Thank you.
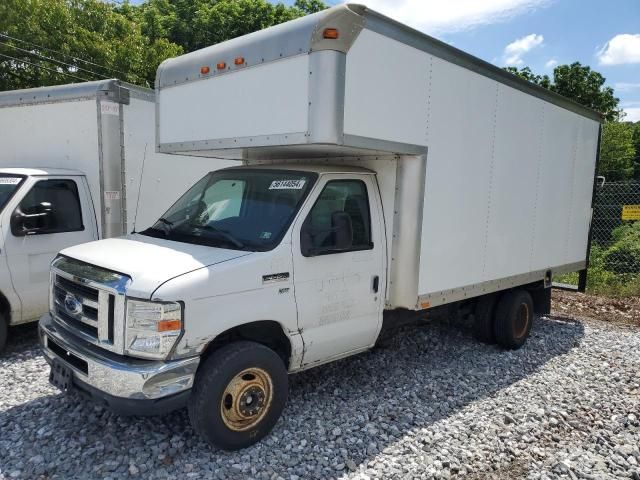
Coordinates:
(72, 305)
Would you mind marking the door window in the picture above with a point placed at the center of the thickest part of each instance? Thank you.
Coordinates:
(51, 206)
(320, 233)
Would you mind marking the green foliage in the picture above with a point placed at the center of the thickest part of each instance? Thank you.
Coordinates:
(124, 41)
(636, 144)
(617, 151)
(615, 270)
(623, 256)
(526, 74)
(195, 24)
(64, 29)
(579, 83)
(222, 20)
(309, 6)
(601, 281)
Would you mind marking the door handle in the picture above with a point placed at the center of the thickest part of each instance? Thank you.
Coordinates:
(376, 283)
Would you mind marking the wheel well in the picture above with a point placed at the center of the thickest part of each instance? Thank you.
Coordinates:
(267, 332)
(5, 308)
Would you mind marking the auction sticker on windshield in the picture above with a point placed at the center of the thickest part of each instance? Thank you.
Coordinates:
(9, 180)
(287, 185)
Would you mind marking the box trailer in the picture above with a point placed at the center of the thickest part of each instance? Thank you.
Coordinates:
(77, 163)
(379, 173)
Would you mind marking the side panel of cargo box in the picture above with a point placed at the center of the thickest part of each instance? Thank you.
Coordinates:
(55, 134)
(508, 177)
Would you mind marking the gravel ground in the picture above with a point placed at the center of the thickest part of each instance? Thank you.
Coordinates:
(433, 404)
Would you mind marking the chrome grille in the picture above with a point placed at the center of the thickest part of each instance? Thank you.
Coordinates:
(65, 292)
(91, 305)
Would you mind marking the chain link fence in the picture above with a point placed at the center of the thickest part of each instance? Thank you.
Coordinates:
(614, 263)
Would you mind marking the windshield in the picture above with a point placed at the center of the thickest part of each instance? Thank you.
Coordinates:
(241, 209)
(8, 186)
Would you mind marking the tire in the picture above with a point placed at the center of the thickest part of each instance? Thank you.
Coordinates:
(259, 379)
(4, 332)
(483, 318)
(513, 319)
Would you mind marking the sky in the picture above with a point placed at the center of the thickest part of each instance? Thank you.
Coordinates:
(604, 34)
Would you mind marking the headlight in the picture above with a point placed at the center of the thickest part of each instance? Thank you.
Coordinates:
(152, 328)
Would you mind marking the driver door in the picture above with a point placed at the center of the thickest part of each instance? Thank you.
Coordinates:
(56, 213)
(339, 292)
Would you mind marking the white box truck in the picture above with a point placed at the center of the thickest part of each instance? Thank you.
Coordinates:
(379, 173)
(72, 159)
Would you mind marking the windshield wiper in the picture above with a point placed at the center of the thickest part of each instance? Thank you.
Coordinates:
(167, 225)
(223, 233)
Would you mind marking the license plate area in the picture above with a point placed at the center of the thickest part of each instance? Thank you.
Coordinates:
(61, 376)
(66, 357)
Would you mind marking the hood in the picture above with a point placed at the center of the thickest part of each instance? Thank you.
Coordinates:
(149, 261)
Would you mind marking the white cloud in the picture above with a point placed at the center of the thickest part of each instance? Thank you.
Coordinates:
(623, 48)
(515, 50)
(551, 63)
(626, 87)
(447, 16)
(633, 114)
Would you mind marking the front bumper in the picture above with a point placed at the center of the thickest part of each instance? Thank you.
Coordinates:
(128, 386)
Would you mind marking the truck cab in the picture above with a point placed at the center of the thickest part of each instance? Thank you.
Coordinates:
(41, 212)
(278, 256)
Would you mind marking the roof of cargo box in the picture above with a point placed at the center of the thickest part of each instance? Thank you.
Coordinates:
(112, 89)
(305, 34)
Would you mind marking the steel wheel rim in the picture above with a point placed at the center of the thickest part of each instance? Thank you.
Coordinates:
(521, 320)
(246, 399)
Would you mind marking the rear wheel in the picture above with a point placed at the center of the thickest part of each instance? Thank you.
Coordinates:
(513, 319)
(483, 318)
(4, 332)
(238, 396)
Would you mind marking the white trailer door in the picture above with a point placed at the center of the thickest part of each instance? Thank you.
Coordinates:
(57, 213)
(340, 294)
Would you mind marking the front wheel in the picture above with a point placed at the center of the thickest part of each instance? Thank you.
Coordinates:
(238, 395)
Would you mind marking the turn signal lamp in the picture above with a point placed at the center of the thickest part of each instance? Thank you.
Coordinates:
(330, 33)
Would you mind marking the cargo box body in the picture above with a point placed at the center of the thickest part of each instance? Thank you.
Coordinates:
(486, 179)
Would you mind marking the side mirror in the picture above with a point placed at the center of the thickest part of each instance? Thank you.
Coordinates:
(335, 239)
(37, 220)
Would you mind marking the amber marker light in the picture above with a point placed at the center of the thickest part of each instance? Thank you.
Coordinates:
(239, 61)
(169, 325)
(330, 33)
(204, 70)
(221, 65)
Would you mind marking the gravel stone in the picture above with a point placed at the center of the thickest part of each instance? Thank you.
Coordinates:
(433, 403)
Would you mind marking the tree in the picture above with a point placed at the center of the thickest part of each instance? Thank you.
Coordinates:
(579, 83)
(310, 6)
(636, 143)
(526, 74)
(49, 42)
(216, 22)
(195, 24)
(44, 40)
(617, 151)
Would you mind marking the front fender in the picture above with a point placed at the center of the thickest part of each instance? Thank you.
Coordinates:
(223, 296)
